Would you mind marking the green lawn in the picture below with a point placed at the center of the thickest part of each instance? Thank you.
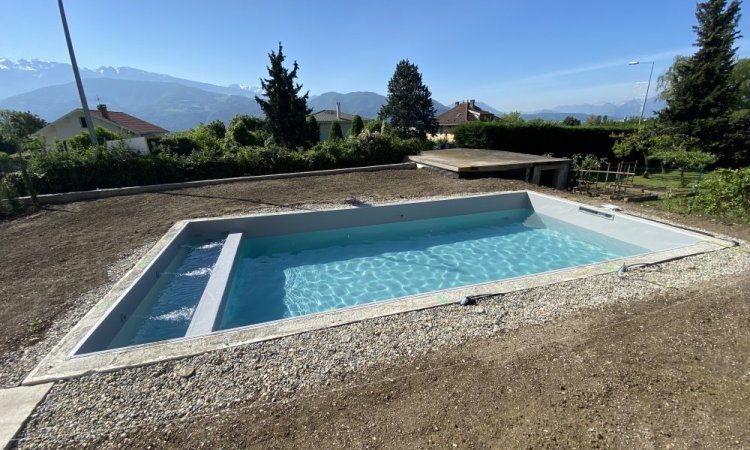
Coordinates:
(669, 179)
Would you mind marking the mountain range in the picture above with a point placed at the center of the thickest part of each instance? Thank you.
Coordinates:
(47, 89)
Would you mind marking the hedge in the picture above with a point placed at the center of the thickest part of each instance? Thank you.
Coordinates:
(539, 139)
(100, 168)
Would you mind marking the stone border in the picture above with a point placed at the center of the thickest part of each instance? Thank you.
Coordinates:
(59, 364)
(67, 197)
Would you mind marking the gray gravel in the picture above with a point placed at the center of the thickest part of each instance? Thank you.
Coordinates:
(163, 394)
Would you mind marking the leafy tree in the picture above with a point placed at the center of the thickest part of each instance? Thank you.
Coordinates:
(571, 121)
(639, 143)
(409, 107)
(15, 127)
(241, 130)
(681, 152)
(511, 118)
(313, 131)
(594, 120)
(335, 134)
(285, 110)
(205, 136)
(83, 140)
(357, 126)
(217, 128)
(700, 93)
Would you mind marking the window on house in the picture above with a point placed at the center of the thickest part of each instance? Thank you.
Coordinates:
(83, 122)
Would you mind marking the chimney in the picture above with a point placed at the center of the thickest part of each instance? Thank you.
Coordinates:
(103, 110)
(472, 103)
(456, 104)
(338, 110)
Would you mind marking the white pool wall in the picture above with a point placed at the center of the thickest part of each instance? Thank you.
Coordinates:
(110, 324)
(643, 233)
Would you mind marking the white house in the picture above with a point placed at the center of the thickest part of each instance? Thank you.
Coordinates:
(326, 117)
(73, 123)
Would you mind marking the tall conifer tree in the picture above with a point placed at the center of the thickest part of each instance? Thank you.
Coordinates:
(409, 108)
(700, 90)
(285, 109)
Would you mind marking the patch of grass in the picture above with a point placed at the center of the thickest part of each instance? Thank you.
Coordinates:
(679, 204)
(669, 179)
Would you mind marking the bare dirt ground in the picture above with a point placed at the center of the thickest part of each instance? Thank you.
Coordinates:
(672, 370)
(669, 371)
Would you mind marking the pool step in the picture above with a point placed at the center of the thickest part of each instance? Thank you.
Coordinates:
(205, 313)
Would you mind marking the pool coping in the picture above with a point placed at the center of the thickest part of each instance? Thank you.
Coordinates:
(59, 364)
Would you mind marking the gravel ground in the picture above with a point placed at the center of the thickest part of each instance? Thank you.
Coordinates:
(81, 410)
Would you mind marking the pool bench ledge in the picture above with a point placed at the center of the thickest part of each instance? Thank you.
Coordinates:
(206, 312)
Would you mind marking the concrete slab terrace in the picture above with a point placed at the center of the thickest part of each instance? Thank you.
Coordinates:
(16, 405)
(464, 162)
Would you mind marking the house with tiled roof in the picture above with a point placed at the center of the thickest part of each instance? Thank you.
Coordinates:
(326, 117)
(73, 123)
(462, 112)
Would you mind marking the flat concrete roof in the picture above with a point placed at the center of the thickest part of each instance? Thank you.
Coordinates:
(477, 160)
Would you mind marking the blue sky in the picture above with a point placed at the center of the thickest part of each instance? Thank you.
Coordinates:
(514, 55)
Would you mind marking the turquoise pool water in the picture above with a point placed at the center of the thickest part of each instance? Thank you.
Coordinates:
(293, 275)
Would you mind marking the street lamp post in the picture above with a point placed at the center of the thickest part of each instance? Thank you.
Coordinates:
(648, 86)
(74, 64)
(643, 107)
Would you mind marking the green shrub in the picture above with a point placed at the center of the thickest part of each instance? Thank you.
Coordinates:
(83, 140)
(374, 126)
(177, 145)
(725, 193)
(241, 131)
(335, 133)
(312, 131)
(217, 128)
(357, 126)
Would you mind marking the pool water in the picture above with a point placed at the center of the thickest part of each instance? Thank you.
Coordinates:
(287, 276)
(166, 311)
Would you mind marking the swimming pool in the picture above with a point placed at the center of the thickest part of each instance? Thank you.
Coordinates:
(218, 275)
(210, 284)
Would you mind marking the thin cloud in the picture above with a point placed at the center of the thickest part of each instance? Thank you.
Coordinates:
(667, 55)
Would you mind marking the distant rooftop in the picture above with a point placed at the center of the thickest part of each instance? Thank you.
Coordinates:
(125, 120)
(464, 112)
(329, 115)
